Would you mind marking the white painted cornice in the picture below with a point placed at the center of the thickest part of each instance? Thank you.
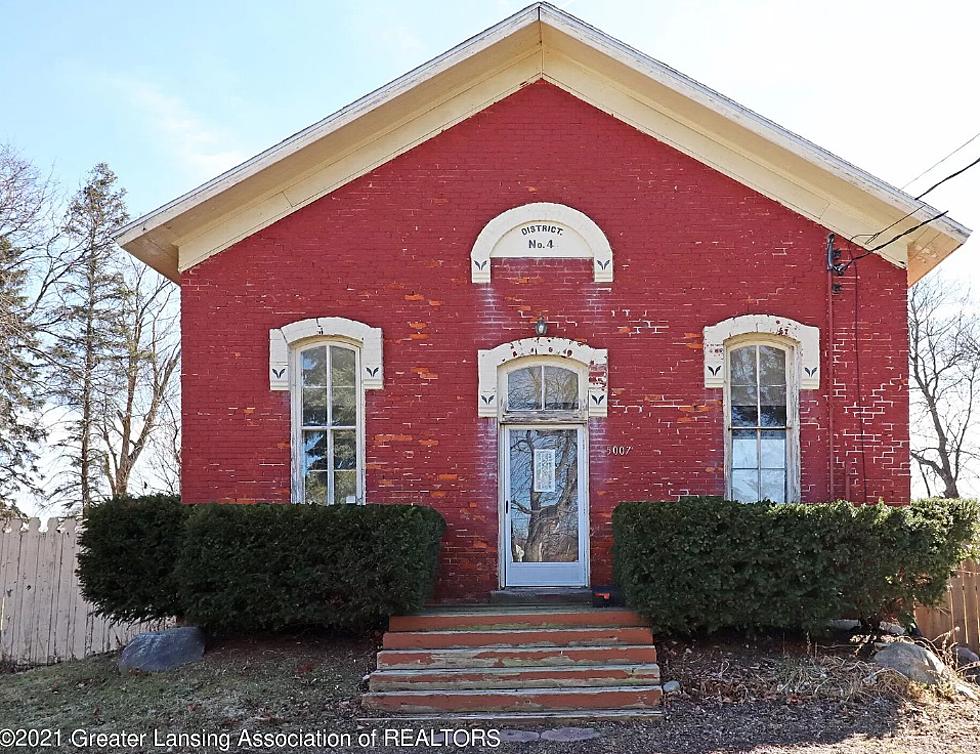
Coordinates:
(539, 42)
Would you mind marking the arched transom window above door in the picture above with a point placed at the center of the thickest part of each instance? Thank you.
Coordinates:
(543, 375)
(542, 387)
(541, 230)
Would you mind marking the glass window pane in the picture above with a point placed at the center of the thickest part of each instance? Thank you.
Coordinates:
(773, 449)
(314, 406)
(773, 400)
(315, 451)
(343, 367)
(315, 366)
(345, 487)
(741, 366)
(774, 486)
(560, 389)
(344, 449)
(745, 485)
(772, 365)
(344, 406)
(745, 453)
(543, 515)
(524, 389)
(774, 416)
(745, 412)
(316, 487)
(772, 395)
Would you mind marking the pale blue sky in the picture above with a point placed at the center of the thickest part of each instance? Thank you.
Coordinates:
(171, 94)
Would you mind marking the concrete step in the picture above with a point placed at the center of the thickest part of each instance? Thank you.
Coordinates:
(515, 700)
(544, 637)
(526, 718)
(515, 617)
(515, 678)
(559, 595)
(430, 659)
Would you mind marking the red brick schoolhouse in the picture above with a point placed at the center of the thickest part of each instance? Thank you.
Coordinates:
(536, 277)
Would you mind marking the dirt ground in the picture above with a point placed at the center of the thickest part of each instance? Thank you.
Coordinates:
(764, 695)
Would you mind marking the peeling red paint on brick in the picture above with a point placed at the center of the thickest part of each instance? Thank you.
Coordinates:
(691, 248)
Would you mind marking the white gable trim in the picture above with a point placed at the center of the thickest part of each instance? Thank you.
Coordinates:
(594, 360)
(805, 338)
(539, 42)
(368, 338)
(588, 240)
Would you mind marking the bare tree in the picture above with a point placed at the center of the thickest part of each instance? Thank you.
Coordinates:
(30, 266)
(91, 291)
(944, 366)
(145, 366)
(165, 441)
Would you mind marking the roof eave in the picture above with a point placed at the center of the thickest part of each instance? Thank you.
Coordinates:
(154, 237)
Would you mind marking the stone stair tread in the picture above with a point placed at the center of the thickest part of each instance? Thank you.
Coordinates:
(527, 717)
(571, 676)
(483, 657)
(516, 617)
(506, 670)
(506, 609)
(515, 700)
(525, 637)
(569, 692)
(542, 596)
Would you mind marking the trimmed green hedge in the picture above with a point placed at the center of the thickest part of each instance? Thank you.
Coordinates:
(128, 547)
(241, 568)
(269, 567)
(707, 563)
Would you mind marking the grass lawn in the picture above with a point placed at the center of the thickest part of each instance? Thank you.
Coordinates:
(767, 696)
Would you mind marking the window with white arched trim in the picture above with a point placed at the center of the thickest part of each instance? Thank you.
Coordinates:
(328, 424)
(543, 387)
(761, 417)
(549, 375)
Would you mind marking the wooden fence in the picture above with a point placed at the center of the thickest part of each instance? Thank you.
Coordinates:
(43, 618)
(959, 613)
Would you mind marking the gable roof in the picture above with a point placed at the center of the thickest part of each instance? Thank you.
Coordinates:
(540, 42)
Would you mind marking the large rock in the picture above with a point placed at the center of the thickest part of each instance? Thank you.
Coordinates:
(966, 656)
(163, 650)
(969, 663)
(914, 662)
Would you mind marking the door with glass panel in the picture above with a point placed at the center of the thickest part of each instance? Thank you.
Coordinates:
(327, 415)
(544, 479)
(759, 423)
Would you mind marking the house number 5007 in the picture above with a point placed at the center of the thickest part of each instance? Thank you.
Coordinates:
(619, 450)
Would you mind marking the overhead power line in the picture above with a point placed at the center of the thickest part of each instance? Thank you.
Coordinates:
(871, 237)
(840, 269)
(937, 184)
(943, 159)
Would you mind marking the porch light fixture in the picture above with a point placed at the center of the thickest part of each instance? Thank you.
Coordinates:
(541, 327)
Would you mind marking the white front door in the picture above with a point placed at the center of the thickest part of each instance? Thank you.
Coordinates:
(545, 505)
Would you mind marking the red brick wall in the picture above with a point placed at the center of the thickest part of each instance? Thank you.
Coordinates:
(691, 247)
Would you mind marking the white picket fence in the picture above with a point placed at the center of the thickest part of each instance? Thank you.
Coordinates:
(43, 617)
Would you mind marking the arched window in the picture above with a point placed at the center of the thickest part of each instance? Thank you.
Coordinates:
(542, 374)
(326, 364)
(762, 361)
(542, 387)
(327, 423)
(762, 426)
